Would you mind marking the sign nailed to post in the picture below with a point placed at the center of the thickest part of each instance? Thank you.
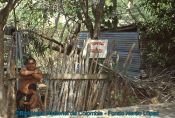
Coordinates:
(98, 48)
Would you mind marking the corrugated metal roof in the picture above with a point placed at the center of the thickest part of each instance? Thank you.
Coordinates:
(123, 42)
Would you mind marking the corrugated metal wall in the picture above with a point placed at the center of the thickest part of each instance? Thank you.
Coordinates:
(123, 42)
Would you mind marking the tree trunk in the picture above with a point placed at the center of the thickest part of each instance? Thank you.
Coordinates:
(3, 19)
(115, 18)
(98, 16)
(4, 13)
(1, 68)
(88, 21)
(97, 10)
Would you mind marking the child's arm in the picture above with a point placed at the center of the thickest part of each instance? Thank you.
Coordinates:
(31, 103)
(34, 102)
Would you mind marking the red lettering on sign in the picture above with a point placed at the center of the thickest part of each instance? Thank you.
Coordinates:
(97, 43)
(96, 50)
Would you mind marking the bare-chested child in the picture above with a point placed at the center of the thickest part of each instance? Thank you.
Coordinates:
(34, 104)
(29, 75)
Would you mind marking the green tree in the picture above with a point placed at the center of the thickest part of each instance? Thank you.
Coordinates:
(160, 31)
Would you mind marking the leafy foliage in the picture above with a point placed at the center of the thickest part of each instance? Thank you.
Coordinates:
(56, 18)
(160, 31)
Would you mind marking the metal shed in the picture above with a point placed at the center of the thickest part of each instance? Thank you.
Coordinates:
(123, 41)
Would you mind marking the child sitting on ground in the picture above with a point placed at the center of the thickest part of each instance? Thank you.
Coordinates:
(34, 104)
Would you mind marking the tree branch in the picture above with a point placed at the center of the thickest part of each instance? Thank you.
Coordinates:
(56, 24)
(74, 32)
(88, 20)
(14, 3)
(63, 29)
(98, 15)
(11, 5)
(49, 39)
(6, 10)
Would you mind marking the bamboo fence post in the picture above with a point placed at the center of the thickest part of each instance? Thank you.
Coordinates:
(128, 59)
(103, 94)
(70, 97)
(55, 98)
(60, 96)
(51, 95)
(87, 59)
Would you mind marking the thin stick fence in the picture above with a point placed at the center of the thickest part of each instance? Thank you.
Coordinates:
(73, 86)
(80, 83)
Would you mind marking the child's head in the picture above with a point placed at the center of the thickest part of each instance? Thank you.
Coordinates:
(30, 63)
(32, 88)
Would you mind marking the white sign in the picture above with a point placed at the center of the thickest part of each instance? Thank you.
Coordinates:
(98, 48)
